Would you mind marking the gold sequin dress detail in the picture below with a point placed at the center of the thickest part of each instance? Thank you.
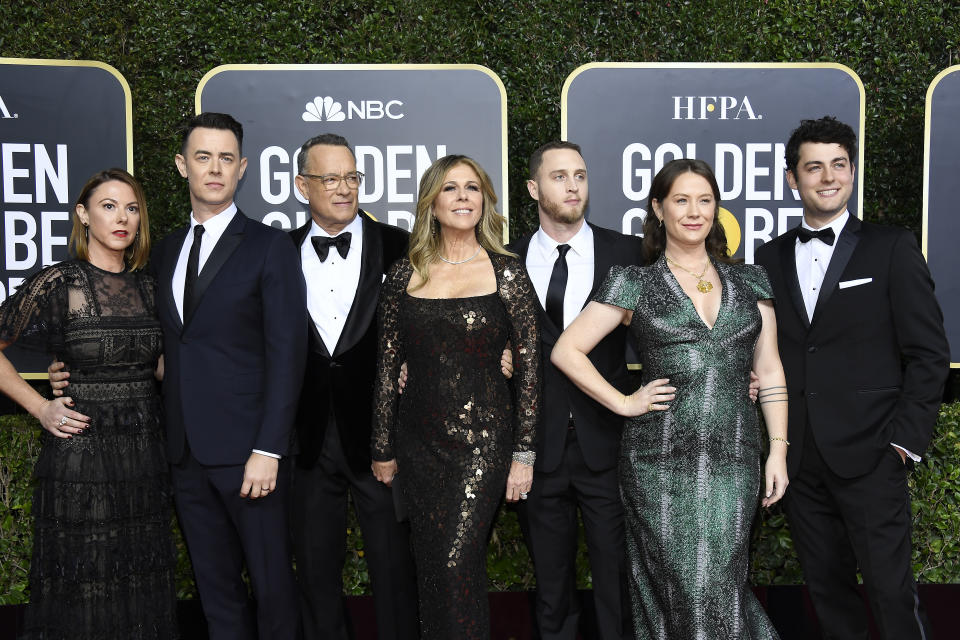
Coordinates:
(103, 558)
(454, 429)
(690, 476)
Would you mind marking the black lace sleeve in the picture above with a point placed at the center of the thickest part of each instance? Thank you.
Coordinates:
(390, 356)
(521, 303)
(34, 316)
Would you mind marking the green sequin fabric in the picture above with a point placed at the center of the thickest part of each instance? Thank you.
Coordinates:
(690, 476)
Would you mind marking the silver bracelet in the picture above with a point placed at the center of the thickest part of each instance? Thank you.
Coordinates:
(525, 457)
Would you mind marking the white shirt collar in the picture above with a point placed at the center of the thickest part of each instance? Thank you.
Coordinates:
(216, 225)
(836, 224)
(581, 243)
(355, 227)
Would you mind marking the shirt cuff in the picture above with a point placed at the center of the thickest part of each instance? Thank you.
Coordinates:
(267, 453)
(910, 454)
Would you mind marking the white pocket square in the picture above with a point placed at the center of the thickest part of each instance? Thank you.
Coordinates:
(855, 283)
(383, 278)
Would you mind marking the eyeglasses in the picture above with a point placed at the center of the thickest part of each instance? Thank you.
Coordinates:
(331, 181)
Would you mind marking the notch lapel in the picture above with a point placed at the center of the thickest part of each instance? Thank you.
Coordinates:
(172, 248)
(226, 245)
(368, 288)
(788, 266)
(846, 243)
(548, 330)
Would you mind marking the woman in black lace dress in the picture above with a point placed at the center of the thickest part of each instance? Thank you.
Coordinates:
(459, 436)
(103, 561)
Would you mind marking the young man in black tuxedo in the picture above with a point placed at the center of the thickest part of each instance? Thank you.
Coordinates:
(863, 347)
(578, 441)
(344, 254)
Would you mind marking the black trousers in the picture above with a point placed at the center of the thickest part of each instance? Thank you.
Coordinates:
(549, 517)
(319, 528)
(224, 532)
(841, 524)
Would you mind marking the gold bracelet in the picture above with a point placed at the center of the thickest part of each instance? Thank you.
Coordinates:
(783, 440)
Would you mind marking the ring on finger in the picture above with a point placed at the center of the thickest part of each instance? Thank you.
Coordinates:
(63, 420)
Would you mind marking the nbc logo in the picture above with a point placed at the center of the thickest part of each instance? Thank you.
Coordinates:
(321, 109)
(325, 108)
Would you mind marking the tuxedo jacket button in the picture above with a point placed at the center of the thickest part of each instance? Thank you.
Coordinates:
(811, 349)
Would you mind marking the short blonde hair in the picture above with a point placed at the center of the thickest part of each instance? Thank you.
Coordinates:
(424, 243)
(137, 254)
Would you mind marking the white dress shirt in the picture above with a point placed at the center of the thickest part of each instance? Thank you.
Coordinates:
(212, 230)
(813, 258)
(541, 256)
(331, 284)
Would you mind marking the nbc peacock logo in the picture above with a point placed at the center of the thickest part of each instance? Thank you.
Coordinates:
(323, 108)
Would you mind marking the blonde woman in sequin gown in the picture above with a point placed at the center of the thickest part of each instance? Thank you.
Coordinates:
(690, 464)
(460, 438)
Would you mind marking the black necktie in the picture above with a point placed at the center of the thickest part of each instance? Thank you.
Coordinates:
(557, 287)
(193, 271)
(322, 245)
(825, 235)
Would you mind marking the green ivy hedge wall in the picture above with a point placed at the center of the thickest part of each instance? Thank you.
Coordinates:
(163, 48)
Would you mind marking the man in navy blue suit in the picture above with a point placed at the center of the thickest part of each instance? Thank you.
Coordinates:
(234, 347)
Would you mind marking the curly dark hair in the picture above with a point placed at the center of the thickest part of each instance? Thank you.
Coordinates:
(827, 129)
(655, 236)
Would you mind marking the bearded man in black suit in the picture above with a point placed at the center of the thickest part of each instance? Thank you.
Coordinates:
(578, 440)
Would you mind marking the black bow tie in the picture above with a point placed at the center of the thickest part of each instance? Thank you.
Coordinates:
(322, 245)
(825, 235)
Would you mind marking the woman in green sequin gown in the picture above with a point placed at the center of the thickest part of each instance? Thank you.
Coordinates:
(690, 465)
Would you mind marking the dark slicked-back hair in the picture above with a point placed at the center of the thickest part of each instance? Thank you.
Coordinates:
(654, 233)
(212, 120)
(331, 139)
(537, 158)
(828, 130)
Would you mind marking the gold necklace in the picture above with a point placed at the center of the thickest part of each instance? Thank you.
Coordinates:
(703, 285)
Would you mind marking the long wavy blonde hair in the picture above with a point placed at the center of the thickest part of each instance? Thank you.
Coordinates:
(425, 242)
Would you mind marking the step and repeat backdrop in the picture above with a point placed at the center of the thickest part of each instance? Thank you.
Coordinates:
(398, 118)
(63, 120)
(941, 198)
(632, 118)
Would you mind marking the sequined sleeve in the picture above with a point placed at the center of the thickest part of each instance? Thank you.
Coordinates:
(33, 317)
(390, 356)
(520, 301)
(756, 278)
(620, 287)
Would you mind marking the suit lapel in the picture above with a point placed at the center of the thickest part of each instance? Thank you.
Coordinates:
(550, 332)
(846, 243)
(368, 288)
(601, 261)
(226, 245)
(788, 266)
(172, 248)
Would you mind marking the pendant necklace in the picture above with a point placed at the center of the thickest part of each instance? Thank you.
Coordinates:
(703, 285)
(440, 255)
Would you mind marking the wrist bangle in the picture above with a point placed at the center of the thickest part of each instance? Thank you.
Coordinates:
(783, 440)
(525, 457)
